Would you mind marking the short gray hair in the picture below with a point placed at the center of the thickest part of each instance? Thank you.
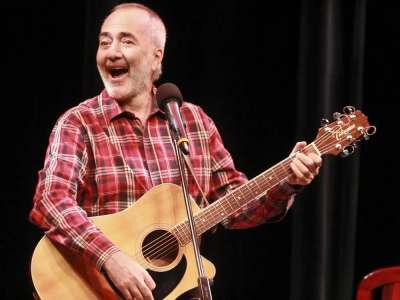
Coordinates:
(158, 29)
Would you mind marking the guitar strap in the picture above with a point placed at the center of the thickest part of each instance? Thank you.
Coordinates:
(204, 201)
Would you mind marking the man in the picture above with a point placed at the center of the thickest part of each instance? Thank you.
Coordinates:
(104, 154)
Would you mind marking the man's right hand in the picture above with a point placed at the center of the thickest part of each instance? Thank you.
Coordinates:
(133, 281)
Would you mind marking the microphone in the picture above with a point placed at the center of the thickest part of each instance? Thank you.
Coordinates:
(169, 99)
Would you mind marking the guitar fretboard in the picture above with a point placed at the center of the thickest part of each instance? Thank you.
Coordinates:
(232, 202)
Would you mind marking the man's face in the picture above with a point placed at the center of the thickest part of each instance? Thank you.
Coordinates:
(126, 56)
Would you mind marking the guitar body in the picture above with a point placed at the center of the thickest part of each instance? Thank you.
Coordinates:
(59, 273)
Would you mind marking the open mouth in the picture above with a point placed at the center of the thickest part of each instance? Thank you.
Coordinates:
(117, 72)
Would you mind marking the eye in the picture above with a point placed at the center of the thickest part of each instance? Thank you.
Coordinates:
(105, 43)
(127, 41)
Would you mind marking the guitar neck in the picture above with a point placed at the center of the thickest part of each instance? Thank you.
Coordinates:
(235, 200)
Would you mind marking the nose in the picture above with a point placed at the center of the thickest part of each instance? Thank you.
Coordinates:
(114, 51)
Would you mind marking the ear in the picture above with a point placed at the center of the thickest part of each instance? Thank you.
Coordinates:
(158, 55)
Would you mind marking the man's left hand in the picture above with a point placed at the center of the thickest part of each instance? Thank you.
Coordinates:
(305, 166)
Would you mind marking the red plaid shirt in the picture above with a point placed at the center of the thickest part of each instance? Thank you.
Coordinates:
(101, 159)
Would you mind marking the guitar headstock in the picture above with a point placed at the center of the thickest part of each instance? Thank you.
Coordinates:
(343, 134)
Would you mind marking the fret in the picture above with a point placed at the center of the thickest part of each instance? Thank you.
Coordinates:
(283, 168)
(275, 176)
(185, 230)
(313, 149)
(218, 212)
(180, 228)
(253, 187)
(241, 197)
(224, 201)
(268, 178)
(260, 181)
(177, 234)
(236, 198)
(220, 204)
(203, 218)
(201, 224)
(247, 187)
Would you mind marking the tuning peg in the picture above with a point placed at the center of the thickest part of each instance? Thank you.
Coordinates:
(344, 153)
(348, 151)
(324, 122)
(348, 110)
(336, 116)
(355, 144)
(371, 130)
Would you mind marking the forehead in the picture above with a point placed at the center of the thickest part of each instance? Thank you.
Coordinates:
(133, 20)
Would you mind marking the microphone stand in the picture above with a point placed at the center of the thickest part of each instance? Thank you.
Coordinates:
(181, 148)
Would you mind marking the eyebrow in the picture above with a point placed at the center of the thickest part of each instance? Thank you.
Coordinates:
(120, 35)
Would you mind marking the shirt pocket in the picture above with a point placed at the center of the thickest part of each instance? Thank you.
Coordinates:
(115, 188)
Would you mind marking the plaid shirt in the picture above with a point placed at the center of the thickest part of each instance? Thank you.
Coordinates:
(101, 159)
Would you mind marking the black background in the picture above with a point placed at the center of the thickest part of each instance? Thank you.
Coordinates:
(240, 62)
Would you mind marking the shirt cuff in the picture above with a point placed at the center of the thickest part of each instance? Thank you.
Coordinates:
(99, 250)
(290, 189)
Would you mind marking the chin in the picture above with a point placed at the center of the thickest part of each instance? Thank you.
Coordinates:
(117, 93)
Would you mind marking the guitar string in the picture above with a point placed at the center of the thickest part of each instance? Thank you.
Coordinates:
(168, 238)
(169, 243)
(160, 252)
(167, 248)
(167, 235)
(248, 193)
(173, 240)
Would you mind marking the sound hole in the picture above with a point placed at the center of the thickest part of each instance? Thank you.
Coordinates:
(160, 248)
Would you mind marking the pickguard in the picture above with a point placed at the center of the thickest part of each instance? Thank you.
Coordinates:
(166, 281)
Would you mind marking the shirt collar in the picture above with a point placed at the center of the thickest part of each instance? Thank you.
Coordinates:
(111, 109)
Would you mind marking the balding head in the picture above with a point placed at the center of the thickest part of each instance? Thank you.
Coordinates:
(156, 26)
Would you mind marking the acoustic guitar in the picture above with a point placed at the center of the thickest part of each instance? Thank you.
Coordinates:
(154, 231)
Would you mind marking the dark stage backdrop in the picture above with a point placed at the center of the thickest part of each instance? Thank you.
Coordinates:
(266, 73)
